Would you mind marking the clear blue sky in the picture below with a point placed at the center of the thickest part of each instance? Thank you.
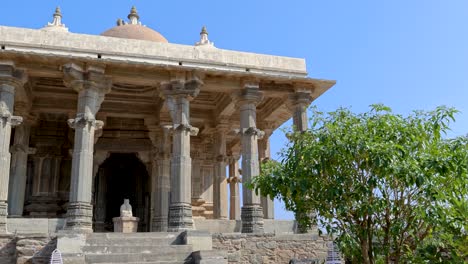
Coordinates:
(405, 54)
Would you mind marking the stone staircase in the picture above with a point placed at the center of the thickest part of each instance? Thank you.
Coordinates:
(148, 248)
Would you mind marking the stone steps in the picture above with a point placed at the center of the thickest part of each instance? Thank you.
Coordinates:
(143, 249)
(154, 262)
(177, 257)
(149, 239)
(167, 248)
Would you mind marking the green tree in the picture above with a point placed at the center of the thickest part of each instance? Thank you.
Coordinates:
(380, 182)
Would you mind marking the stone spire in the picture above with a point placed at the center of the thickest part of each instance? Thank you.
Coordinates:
(133, 17)
(204, 38)
(56, 24)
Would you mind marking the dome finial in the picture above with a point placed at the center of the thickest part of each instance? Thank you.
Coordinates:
(133, 16)
(204, 38)
(56, 22)
(58, 12)
(204, 31)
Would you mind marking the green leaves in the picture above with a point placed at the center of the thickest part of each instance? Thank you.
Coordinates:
(376, 179)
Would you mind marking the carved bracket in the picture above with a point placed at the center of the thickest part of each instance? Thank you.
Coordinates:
(250, 131)
(83, 121)
(185, 127)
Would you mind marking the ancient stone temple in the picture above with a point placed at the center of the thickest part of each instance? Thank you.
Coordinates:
(88, 121)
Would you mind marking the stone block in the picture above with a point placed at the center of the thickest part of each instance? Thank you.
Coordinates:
(200, 240)
(125, 224)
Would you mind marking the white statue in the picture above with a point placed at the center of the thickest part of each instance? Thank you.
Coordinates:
(126, 209)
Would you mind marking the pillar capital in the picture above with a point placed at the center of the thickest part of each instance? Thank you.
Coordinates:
(299, 99)
(249, 94)
(223, 127)
(80, 78)
(297, 104)
(10, 76)
(182, 84)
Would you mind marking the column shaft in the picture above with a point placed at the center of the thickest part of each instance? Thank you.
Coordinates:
(19, 164)
(162, 188)
(264, 154)
(220, 181)
(80, 210)
(298, 104)
(10, 79)
(91, 85)
(178, 93)
(234, 180)
(251, 212)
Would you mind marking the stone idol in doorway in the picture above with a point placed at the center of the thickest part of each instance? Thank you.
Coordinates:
(126, 223)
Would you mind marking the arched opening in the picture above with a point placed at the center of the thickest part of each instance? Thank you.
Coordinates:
(121, 176)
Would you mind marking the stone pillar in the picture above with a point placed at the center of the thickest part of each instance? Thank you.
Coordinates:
(91, 85)
(220, 202)
(99, 190)
(264, 155)
(298, 103)
(178, 93)
(234, 180)
(251, 212)
(10, 79)
(18, 172)
(161, 173)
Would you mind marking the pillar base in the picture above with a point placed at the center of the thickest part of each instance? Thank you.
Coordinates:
(180, 217)
(159, 224)
(79, 217)
(300, 229)
(3, 217)
(252, 219)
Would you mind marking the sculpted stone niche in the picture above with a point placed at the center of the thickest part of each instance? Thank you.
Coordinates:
(126, 223)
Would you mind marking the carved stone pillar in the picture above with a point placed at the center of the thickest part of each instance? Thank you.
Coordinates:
(178, 93)
(298, 103)
(10, 79)
(251, 212)
(99, 190)
(161, 173)
(234, 180)
(220, 202)
(18, 172)
(91, 85)
(264, 155)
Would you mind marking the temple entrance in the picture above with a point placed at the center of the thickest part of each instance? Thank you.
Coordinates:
(121, 176)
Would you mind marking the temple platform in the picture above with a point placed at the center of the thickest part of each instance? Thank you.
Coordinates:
(54, 225)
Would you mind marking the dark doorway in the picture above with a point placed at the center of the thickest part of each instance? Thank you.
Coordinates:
(121, 176)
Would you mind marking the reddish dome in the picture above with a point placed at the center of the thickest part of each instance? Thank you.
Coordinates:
(131, 31)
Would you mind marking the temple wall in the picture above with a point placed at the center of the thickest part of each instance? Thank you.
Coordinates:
(270, 248)
(22, 249)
